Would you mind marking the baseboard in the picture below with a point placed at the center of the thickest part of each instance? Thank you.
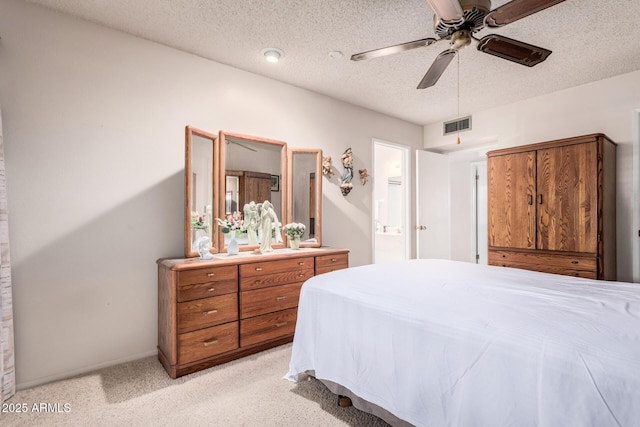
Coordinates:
(87, 369)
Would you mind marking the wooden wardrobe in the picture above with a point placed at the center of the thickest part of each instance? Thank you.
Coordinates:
(552, 207)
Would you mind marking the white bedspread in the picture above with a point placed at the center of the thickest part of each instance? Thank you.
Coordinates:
(445, 343)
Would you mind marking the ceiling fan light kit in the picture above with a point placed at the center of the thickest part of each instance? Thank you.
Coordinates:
(458, 20)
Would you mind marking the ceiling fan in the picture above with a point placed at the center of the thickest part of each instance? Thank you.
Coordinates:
(458, 20)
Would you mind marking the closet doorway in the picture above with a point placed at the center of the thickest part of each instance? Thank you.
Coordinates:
(391, 236)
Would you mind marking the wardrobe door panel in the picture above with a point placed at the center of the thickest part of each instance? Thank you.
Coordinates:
(512, 213)
(567, 198)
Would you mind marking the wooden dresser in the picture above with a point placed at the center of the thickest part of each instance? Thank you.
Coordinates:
(552, 207)
(211, 312)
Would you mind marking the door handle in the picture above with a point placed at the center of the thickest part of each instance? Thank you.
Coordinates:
(421, 227)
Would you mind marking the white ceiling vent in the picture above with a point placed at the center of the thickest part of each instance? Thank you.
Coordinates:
(455, 126)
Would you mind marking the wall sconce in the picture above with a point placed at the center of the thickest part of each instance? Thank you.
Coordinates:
(272, 54)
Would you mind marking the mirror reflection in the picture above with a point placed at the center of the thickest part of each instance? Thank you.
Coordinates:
(254, 169)
(199, 190)
(305, 197)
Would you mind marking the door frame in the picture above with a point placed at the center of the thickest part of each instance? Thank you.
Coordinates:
(477, 197)
(635, 252)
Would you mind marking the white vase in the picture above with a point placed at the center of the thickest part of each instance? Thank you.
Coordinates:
(232, 246)
(294, 243)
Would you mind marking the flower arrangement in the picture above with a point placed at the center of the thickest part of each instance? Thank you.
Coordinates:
(199, 222)
(294, 230)
(233, 222)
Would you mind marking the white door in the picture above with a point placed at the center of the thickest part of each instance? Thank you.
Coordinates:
(432, 219)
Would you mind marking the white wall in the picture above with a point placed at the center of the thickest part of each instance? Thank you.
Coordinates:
(606, 106)
(94, 138)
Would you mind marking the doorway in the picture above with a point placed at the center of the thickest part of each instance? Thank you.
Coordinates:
(391, 237)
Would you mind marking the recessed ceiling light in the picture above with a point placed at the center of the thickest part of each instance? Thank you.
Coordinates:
(335, 54)
(272, 54)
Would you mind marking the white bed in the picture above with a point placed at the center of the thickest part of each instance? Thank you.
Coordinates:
(445, 343)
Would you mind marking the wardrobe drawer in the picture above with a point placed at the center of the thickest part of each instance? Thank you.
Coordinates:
(268, 327)
(267, 300)
(205, 312)
(568, 265)
(206, 282)
(208, 342)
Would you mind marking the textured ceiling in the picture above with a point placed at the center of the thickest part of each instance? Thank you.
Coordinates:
(590, 39)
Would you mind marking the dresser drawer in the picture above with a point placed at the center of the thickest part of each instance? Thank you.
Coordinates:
(268, 327)
(327, 263)
(271, 267)
(207, 282)
(262, 301)
(205, 312)
(208, 342)
(568, 265)
(265, 274)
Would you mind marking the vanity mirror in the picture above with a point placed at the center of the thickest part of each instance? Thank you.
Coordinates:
(305, 193)
(200, 209)
(251, 169)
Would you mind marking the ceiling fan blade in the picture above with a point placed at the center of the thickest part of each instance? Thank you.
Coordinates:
(392, 49)
(516, 9)
(241, 145)
(447, 10)
(437, 68)
(513, 50)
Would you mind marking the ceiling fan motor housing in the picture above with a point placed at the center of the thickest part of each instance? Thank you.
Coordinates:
(474, 12)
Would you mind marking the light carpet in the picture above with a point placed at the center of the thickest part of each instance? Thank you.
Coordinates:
(244, 392)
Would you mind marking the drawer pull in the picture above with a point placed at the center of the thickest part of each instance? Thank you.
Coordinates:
(208, 343)
(333, 260)
(280, 298)
(209, 312)
(258, 268)
(257, 282)
(301, 263)
(210, 274)
(574, 262)
(301, 275)
(211, 289)
(281, 324)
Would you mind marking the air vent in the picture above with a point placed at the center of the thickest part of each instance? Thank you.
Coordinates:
(455, 126)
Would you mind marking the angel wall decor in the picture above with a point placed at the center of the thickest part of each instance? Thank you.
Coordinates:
(327, 170)
(347, 175)
(364, 176)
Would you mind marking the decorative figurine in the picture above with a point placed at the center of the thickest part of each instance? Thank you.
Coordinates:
(268, 220)
(251, 220)
(364, 176)
(203, 248)
(326, 167)
(347, 176)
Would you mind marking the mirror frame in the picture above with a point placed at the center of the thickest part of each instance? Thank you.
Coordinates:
(188, 185)
(222, 181)
(318, 192)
